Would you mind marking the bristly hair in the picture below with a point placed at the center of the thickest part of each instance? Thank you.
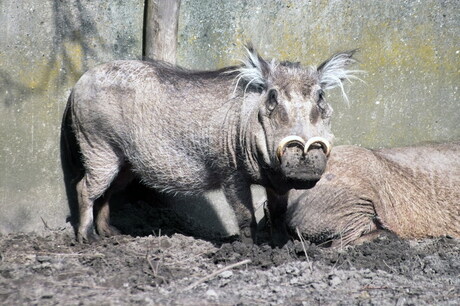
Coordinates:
(254, 70)
(334, 71)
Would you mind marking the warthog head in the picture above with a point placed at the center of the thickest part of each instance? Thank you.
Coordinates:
(292, 137)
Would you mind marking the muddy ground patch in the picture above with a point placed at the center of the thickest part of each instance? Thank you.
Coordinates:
(51, 268)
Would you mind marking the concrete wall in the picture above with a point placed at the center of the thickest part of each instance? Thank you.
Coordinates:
(410, 50)
(45, 46)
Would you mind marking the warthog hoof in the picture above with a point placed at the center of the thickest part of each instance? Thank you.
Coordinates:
(247, 235)
(107, 230)
(87, 236)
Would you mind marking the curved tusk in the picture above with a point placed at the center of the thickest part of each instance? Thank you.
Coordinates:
(287, 140)
(325, 144)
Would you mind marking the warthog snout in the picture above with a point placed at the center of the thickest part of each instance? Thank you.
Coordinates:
(318, 142)
(297, 141)
(303, 162)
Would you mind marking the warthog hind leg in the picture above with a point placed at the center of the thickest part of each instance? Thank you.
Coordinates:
(102, 211)
(101, 169)
(85, 232)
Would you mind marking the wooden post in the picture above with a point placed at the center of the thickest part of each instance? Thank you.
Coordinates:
(161, 19)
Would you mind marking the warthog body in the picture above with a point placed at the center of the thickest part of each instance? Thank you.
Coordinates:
(412, 191)
(187, 131)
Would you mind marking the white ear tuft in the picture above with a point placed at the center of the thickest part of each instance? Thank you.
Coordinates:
(254, 71)
(334, 71)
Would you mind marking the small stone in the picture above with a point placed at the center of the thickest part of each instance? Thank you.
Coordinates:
(212, 294)
(290, 269)
(226, 274)
(334, 280)
(43, 258)
(401, 301)
(294, 281)
(318, 286)
(364, 295)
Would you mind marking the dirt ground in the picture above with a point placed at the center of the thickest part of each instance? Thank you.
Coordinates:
(171, 268)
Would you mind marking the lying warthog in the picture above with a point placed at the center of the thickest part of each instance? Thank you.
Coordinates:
(186, 131)
(413, 192)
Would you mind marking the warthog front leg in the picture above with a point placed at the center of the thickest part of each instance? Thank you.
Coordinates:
(238, 194)
(277, 207)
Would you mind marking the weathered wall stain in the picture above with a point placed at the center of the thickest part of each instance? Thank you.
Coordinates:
(45, 47)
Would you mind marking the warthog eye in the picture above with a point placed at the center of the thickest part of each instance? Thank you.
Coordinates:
(272, 100)
(321, 102)
(321, 96)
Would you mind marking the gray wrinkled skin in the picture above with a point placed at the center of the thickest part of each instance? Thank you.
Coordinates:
(183, 131)
(413, 192)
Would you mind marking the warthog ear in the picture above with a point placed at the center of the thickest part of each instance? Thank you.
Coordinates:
(334, 71)
(254, 71)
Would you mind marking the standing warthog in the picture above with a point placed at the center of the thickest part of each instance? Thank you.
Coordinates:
(413, 192)
(185, 131)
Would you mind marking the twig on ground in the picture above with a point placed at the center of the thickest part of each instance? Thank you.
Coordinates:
(96, 255)
(392, 269)
(369, 287)
(48, 228)
(156, 268)
(302, 241)
(84, 286)
(203, 279)
(159, 233)
(46, 224)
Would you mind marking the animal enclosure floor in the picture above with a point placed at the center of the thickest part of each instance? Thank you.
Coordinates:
(51, 269)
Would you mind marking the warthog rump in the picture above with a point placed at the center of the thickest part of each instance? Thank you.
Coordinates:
(413, 192)
(263, 122)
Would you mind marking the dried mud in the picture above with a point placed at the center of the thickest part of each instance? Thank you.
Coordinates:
(51, 268)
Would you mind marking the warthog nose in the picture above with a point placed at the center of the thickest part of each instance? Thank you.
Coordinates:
(312, 143)
(289, 141)
(318, 142)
